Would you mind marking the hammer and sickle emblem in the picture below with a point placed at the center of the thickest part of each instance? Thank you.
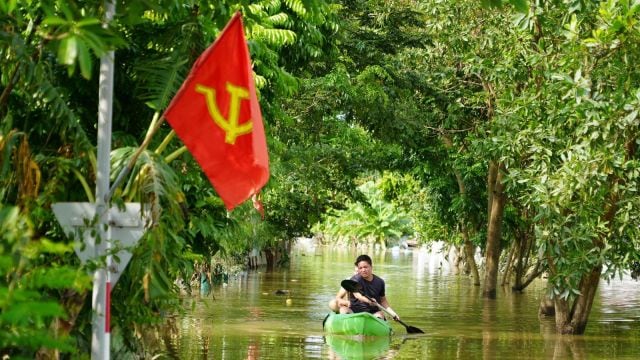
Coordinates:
(230, 126)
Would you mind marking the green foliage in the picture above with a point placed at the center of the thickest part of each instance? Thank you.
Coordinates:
(28, 285)
(314, 165)
(520, 5)
(375, 220)
(414, 199)
(78, 35)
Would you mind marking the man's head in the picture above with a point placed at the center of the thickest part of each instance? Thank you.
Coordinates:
(364, 265)
(363, 257)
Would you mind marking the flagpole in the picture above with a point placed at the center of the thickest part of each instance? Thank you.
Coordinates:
(101, 300)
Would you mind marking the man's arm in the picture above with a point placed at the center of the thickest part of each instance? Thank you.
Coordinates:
(362, 298)
(385, 304)
(342, 298)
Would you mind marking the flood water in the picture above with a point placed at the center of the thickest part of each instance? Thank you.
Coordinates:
(249, 319)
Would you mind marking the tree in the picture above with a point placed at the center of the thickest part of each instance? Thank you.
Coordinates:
(581, 150)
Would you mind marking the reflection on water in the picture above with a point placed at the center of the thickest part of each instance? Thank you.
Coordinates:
(279, 315)
(355, 348)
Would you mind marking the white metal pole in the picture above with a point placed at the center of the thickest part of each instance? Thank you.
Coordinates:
(101, 335)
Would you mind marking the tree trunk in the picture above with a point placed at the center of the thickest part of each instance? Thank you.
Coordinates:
(547, 306)
(498, 198)
(529, 278)
(522, 261)
(469, 250)
(525, 242)
(510, 260)
(454, 258)
(574, 321)
(270, 257)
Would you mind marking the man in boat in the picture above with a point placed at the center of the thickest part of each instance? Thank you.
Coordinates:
(341, 299)
(372, 286)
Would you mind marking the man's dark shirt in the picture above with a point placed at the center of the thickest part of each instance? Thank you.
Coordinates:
(373, 289)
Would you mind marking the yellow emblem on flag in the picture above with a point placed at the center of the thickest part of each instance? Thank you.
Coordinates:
(230, 126)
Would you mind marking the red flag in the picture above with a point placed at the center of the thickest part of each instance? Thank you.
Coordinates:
(217, 116)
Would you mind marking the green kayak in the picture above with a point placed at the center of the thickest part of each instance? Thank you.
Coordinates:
(356, 324)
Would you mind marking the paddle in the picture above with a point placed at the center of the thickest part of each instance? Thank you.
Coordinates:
(354, 286)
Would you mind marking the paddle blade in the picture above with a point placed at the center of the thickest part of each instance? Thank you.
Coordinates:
(351, 285)
(413, 330)
(410, 329)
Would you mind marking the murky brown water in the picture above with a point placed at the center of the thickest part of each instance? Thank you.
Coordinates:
(248, 320)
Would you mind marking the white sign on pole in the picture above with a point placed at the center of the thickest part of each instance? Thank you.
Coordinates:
(79, 223)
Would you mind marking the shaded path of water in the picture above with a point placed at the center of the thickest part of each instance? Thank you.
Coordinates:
(249, 320)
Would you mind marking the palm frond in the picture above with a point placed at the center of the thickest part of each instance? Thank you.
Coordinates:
(152, 182)
(278, 19)
(52, 100)
(160, 79)
(297, 6)
(272, 5)
(274, 37)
